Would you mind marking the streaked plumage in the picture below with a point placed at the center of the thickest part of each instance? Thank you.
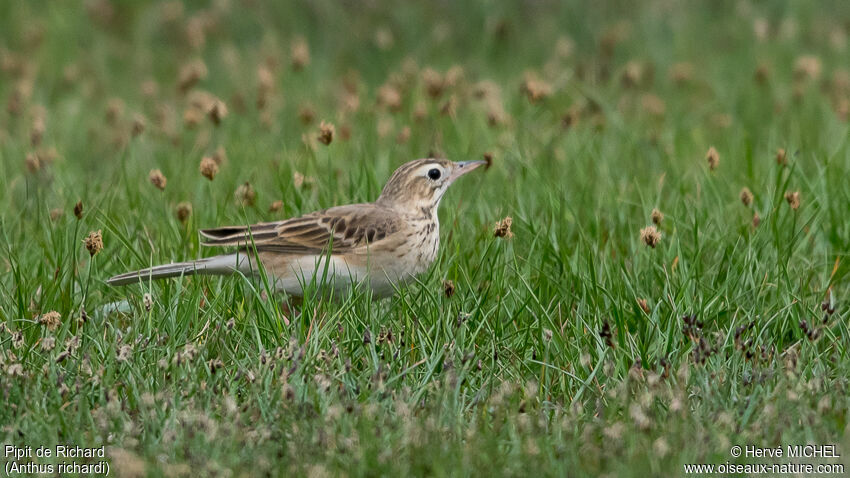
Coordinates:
(386, 242)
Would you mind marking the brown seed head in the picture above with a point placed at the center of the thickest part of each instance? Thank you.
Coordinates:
(793, 199)
(158, 179)
(449, 288)
(33, 163)
(403, 136)
(301, 181)
(756, 219)
(488, 157)
(300, 54)
(94, 242)
(434, 82)
(37, 130)
(306, 113)
(650, 236)
(114, 110)
(503, 228)
(52, 320)
(632, 74)
(209, 167)
(183, 211)
(656, 216)
(713, 158)
(746, 196)
(245, 195)
(219, 156)
(781, 157)
(326, 133)
(276, 206)
(653, 104)
(138, 126)
(217, 111)
(78, 210)
(535, 88)
(643, 306)
(190, 74)
(807, 67)
(681, 73)
(389, 97)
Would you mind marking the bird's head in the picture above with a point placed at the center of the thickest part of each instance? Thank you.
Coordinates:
(420, 184)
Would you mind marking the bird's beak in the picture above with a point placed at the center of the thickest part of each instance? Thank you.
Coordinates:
(463, 167)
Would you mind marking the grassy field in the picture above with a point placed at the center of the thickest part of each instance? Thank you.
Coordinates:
(571, 348)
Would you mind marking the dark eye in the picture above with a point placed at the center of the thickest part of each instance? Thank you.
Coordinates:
(434, 174)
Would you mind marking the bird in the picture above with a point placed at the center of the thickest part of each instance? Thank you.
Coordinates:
(383, 244)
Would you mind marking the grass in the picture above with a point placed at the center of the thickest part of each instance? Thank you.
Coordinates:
(545, 361)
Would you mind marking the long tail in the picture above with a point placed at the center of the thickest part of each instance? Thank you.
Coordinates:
(217, 265)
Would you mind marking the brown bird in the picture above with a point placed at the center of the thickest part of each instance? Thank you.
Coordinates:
(384, 243)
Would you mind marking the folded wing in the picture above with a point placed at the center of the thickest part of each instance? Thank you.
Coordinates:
(341, 229)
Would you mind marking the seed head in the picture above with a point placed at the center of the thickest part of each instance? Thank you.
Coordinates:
(643, 305)
(503, 228)
(114, 110)
(762, 73)
(746, 196)
(488, 157)
(245, 195)
(403, 136)
(209, 167)
(219, 156)
(147, 301)
(434, 82)
(78, 210)
(535, 88)
(306, 113)
(607, 334)
(653, 104)
(52, 320)
(793, 199)
(276, 206)
(48, 344)
(326, 133)
(300, 54)
(449, 288)
(650, 236)
(33, 163)
(389, 97)
(681, 73)
(756, 219)
(656, 216)
(158, 179)
(124, 353)
(15, 370)
(713, 158)
(138, 126)
(183, 211)
(781, 158)
(807, 67)
(190, 74)
(94, 242)
(217, 112)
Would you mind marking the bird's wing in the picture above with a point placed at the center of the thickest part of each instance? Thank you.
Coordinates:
(343, 228)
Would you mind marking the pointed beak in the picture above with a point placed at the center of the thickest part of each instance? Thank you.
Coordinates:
(463, 167)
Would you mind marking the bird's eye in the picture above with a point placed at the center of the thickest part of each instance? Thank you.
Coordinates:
(434, 174)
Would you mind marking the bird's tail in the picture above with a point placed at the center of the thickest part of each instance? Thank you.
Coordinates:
(217, 265)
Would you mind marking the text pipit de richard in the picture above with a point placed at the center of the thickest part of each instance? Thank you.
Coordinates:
(55, 459)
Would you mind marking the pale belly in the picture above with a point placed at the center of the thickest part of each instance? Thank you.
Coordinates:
(337, 273)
